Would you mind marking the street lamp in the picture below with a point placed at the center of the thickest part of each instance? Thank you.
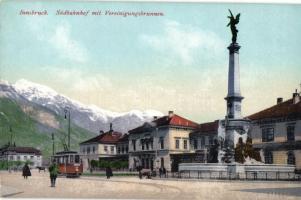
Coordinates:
(52, 137)
(67, 116)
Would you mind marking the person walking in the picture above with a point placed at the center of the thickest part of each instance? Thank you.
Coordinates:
(26, 171)
(139, 169)
(160, 172)
(164, 172)
(109, 172)
(53, 170)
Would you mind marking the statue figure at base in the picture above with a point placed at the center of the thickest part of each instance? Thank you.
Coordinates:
(232, 24)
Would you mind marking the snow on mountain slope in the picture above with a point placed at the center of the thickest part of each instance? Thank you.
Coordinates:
(90, 117)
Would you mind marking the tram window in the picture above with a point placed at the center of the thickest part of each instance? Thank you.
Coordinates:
(66, 160)
(76, 158)
(71, 159)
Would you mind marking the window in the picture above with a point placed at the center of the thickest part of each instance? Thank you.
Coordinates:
(290, 133)
(268, 157)
(112, 149)
(25, 157)
(134, 145)
(118, 150)
(18, 158)
(211, 140)
(93, 149)
(177, 143)
(142, 144)
(185, 144)
(267, 134)
(152, 143)
(88, 150)
(71, 159)
(76, 159)
(126, 149)
(105, 148)
(291, 158)
(195, 144)
(203, 141)
(161, 143)
(31, 157)
(11, 157)
(122, 149)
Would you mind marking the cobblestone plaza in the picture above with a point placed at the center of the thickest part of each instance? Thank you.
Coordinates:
(38, 186)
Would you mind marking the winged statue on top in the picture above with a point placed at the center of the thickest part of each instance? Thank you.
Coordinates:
(233, 22)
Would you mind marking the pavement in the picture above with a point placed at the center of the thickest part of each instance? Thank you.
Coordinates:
(86, 187)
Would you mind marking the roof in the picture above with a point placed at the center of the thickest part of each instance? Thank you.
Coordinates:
(65, 152)
(124, 138)
(23, 150)
(174, 120)
(285, 109)
(207, 128)
(110, 137)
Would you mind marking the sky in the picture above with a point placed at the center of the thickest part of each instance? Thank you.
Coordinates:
(177, 62)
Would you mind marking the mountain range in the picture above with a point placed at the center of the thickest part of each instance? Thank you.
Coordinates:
(34, 111)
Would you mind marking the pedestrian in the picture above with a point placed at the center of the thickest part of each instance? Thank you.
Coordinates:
(26, 171)
(164, 172)
(53, 170)
(160, 172)
(139, 169)
(109, 172)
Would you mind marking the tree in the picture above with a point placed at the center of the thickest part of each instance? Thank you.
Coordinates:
(94, 163)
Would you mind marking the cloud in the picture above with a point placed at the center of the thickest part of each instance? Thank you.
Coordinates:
(184, 43)
(66, 46)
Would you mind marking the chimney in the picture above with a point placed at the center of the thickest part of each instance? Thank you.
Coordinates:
(279, 100)
(101, 132)
(155, 117)
(296, 97)
(170, 114)
(111, 127)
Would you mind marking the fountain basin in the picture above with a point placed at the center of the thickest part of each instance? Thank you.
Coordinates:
(238, 171)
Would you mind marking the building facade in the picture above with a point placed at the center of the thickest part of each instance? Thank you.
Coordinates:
(276, 131)
(203, 138)
(101, 146)
(122, 146)
(24, 154)
(157, 143)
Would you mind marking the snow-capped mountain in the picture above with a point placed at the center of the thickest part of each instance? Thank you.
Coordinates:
(89, 117)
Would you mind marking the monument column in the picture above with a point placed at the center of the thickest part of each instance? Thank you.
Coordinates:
(234, 97)
(235, 125)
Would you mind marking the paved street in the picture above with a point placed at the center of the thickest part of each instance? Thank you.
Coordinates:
(38, 186)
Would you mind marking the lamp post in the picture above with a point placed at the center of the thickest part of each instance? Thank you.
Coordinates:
(52, 137)
(67, 116)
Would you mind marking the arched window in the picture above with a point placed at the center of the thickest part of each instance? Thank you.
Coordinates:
(291, 158)
(268, 157)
